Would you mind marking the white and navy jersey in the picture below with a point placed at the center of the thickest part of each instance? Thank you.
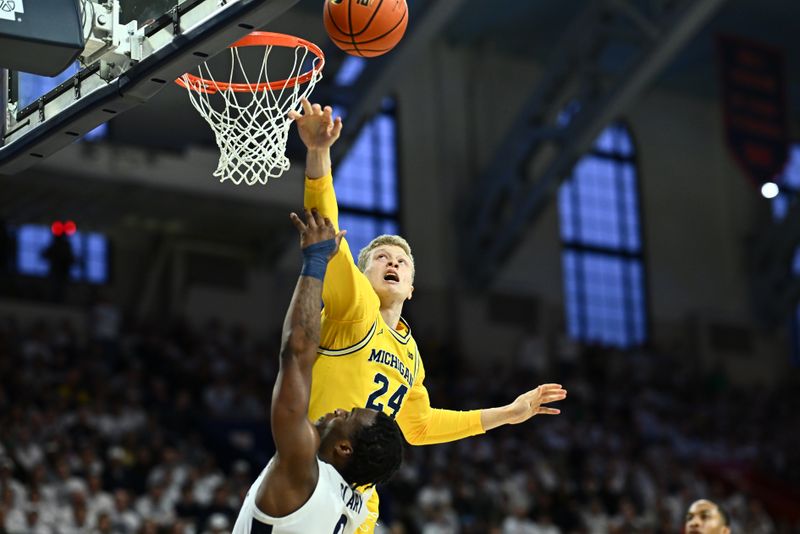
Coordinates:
(333, 508)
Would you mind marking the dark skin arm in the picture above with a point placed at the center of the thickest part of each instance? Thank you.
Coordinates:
(293, 475)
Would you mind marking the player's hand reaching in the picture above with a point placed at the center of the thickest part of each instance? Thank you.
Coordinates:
(316, 126)
(316, 229)
(531, 403)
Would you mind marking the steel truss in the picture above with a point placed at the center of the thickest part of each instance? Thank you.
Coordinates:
(609, 54)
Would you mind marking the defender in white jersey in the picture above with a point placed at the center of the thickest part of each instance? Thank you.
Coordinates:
(308, 486)
(334, 507)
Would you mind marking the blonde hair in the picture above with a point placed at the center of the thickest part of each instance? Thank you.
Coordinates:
(396, 240)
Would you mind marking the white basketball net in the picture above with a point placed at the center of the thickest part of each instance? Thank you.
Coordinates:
(251, 127)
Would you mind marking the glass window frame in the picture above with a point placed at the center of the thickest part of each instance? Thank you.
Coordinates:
(30, 263)
(626, 249)
(382, 214)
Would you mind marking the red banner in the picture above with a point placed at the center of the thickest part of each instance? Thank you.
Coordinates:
(754, 106)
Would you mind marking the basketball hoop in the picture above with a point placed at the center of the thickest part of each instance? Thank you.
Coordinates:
(250, 120)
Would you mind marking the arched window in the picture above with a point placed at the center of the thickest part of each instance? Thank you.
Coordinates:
(366, 182)
(604, 278)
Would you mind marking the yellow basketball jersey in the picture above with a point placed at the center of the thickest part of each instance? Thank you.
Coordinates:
(376, 372)
(364, 362)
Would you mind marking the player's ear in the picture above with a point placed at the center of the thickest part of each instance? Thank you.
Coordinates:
(344, 448)
(410, 293)
(726, 530)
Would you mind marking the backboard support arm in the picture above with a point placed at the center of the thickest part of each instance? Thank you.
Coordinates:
(99, 92)
(3, 103)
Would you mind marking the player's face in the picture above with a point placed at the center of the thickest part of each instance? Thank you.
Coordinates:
(390, 272)
(703, 517)
(329, 421)
(340, 423)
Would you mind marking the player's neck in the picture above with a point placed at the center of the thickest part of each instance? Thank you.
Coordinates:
(391, 313)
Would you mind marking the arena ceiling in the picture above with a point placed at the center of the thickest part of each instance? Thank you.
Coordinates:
(520, 28)
(530, 28)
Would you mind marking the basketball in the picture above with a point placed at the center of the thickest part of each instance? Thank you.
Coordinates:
(366, 28)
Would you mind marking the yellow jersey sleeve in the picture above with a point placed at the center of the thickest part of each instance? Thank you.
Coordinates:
(423, 425)
(347, 294)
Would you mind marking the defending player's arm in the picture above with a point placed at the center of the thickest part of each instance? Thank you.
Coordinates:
(294, 473)
(348, 296)
(423, 425)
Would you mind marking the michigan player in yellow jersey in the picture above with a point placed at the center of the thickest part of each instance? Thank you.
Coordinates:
(368, 358)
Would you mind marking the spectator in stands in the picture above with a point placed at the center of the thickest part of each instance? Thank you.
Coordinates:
(124, 519)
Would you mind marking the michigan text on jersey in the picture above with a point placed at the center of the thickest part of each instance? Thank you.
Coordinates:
(387, 358)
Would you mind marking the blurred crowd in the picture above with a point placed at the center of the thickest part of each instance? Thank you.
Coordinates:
(163, 430)
(640, 437)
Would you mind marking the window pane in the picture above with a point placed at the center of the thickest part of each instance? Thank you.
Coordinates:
(625, 143)
(367, 177)
(573, 307)
(791, 174)
(387, 200)
(615, 140)
(565, 211)
(361, 229)
(355, 175)
(780, 206)
(96, 259)
(90, 251)
(605, 143)
(604, 298)
(31, 243)
(598, 205)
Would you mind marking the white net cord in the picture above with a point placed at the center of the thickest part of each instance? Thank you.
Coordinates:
(251, 127)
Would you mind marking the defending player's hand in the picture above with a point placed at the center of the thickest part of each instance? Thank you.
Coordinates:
(531, 403)
(316, 229)
(316, 126)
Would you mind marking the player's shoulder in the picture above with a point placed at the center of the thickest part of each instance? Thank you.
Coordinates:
(401, 332)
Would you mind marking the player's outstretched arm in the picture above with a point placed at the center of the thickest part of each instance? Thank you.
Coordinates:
(524, 407)
(318, 130)
(424, 425)
(294, 473)
(348, 296)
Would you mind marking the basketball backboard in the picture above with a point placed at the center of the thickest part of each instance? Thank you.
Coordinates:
(144, 10)
(134, 48)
